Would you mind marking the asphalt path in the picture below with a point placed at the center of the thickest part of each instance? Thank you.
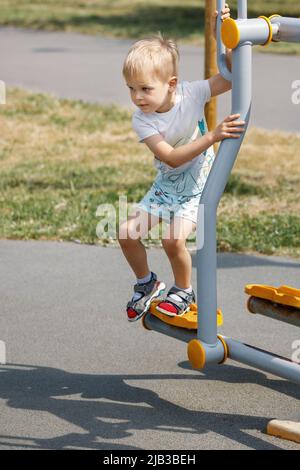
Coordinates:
(79, 376)
(90, 68)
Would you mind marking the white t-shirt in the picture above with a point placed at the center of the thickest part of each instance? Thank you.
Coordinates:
(182, 124)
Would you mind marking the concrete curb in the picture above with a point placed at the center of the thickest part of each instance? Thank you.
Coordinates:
(289, 430)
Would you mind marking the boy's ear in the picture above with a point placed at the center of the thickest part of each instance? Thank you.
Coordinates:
(173, 82)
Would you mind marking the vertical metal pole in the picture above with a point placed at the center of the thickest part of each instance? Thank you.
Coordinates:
(212, 193)
(242, 9)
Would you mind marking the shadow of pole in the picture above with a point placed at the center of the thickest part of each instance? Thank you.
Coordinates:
(107, 408)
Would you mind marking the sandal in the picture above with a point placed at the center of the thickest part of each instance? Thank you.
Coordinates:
(176, 308)
(150, 290)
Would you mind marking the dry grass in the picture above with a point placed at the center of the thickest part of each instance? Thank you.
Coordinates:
(271, 161)
(263, 150)
(60, 159)
(184, 21)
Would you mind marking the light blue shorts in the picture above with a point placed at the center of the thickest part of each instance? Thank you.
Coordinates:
(167, 207)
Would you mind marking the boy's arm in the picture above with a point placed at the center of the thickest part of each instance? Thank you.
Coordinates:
(175, 157)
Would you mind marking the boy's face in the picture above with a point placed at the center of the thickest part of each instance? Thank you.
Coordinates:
(153, 94)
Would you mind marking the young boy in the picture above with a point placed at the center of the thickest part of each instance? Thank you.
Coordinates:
(170, 121)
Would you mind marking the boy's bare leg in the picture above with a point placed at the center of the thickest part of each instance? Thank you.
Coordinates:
(135, 253)
(130, 232)
(174, 243)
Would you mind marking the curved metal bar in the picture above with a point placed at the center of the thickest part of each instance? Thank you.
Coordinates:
(212, 344)
(213, 190)
(221, 56)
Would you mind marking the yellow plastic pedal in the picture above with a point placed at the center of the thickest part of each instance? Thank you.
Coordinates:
(188, 320)
(284, 295)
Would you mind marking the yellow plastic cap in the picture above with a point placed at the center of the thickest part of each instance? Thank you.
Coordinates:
(196, 354)
(230, 33)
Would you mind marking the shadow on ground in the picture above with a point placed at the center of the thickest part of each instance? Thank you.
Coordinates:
(234, 260)
(109, 409)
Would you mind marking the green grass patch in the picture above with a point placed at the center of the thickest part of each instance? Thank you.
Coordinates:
(61, 159)
(267, 233)
(238, 185)
(184, 21)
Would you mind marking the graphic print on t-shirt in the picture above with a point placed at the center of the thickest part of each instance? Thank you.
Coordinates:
(189, 181)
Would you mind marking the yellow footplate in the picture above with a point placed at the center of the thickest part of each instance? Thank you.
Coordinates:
(284, 295)
(188, 320)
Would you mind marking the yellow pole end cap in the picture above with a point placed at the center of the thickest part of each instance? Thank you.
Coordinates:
(196, 354)
(230, 33)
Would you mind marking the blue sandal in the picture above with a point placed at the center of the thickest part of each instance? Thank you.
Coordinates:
(150, 290)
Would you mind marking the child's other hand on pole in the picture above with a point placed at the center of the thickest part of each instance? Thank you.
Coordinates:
(228, 129)
(225, 14)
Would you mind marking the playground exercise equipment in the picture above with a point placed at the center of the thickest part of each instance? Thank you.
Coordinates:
(205, 346)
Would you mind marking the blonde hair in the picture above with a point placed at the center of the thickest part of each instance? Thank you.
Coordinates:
(156, 54)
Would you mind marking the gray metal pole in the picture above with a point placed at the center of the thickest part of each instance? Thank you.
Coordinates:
(263, 360)
(288, 29)
(213, 190)
(283, 313)
(153, 323)
(242, 9)
(212, 348)
(213, 354)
